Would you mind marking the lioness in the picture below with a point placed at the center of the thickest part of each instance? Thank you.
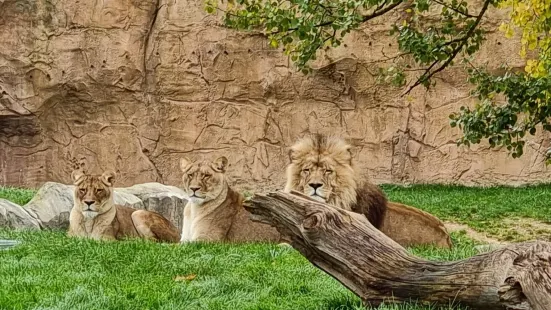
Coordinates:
(321, 167)
(95, 215)
(215, 211)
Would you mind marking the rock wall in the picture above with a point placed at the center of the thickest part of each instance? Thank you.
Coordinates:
(135, 85)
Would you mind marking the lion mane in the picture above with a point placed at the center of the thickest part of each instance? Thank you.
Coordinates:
(321, 167)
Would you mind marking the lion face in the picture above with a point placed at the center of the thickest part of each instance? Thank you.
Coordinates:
(203, 181)
(93, 193)
(321, 167)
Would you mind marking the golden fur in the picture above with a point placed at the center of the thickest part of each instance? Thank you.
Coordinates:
(409, 226)
(327, 161)
(215, 211)
(321, 168)
(95, 215)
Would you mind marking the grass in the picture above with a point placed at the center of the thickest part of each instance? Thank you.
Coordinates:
(51, 271)
(19, 196)
(497, 211)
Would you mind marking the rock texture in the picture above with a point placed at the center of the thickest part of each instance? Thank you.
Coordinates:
(51, 205)
(134, 85)
(146, 190)
(169, 205)
(14, 216)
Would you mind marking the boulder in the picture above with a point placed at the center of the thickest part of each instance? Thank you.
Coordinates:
(14, 216)
(126, 199)
(169, 205)
(151, 189)
(51, 205)
(53, 202)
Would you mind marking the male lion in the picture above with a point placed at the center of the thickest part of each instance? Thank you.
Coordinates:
(215, 211)
(95, 215)
(321, 167)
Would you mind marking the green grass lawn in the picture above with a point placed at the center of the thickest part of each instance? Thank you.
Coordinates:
(51, 271)
(17, 195)
(493, 210)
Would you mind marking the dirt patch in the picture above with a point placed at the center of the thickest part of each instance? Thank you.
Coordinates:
(506, 231)
(473, 234)
(523, 229)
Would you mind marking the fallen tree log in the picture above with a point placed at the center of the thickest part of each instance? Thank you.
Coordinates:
(346, 246)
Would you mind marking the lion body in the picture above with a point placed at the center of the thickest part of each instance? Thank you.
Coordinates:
(326, 162)
(215, 211)
(409, 226)
(95, 215)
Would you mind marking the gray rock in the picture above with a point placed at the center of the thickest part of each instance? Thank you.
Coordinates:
(169, 205)
(129, 200)
(53, 202)
(148, 189)
(14, 216)
(51, 205)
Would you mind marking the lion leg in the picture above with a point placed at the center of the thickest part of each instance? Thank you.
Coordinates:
(153, 226)
(208, 233)
(186, 228)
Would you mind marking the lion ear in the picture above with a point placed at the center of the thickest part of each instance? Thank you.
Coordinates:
(220, 164)
(291, 154)
(185, 163)
(343, 152)
(349, 154)
(108, 177)
(294, 154)
(76, 175)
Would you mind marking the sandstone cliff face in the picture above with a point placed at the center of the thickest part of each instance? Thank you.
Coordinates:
(135, 85)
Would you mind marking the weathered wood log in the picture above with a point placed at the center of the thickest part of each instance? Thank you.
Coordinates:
(346, 246)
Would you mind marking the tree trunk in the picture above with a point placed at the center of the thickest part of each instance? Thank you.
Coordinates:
(346, 246)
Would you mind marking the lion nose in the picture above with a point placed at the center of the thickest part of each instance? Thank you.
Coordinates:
(315, 185)
(89, 202)
(194, 189)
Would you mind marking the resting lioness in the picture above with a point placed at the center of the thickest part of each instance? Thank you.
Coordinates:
(321, 167)
(96, 216)
(215, 211)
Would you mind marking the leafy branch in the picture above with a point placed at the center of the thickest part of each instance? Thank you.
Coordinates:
(303, 27)
(455, 9)
(428, 74)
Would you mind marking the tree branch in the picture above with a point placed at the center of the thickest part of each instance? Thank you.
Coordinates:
(383, 11)
(378, 12)
(346, 246)
(454, 9)
(428, 74)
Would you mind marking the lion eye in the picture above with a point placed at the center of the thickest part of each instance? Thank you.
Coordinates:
(190, 175)
(206, 176)
(306, 170)
(328, 171)
(99, 190)
(82, 190)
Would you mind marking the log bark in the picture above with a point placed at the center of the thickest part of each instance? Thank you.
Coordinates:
(346, 246)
